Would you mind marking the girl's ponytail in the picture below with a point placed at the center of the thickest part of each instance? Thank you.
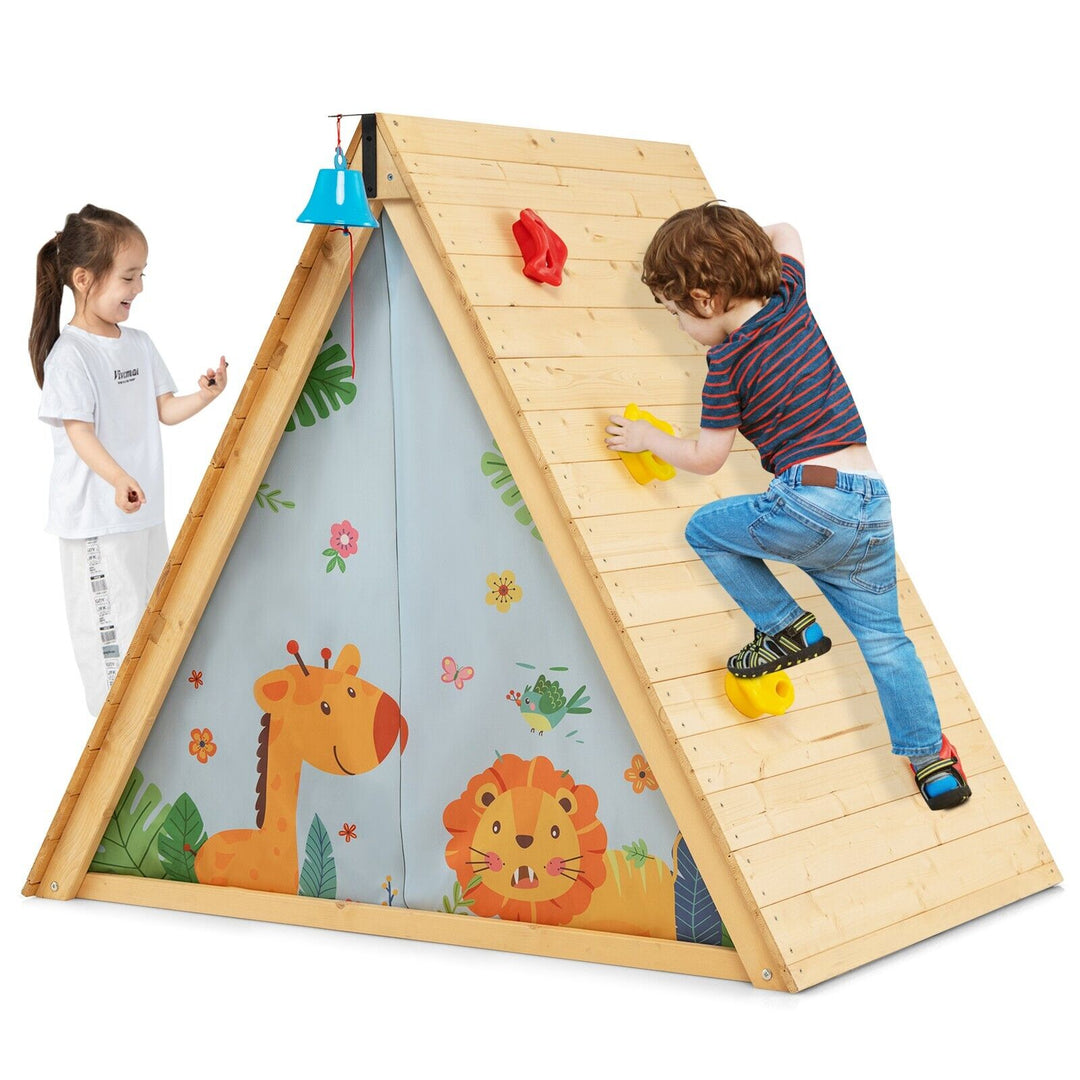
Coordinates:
(45, 327)
(91, 239)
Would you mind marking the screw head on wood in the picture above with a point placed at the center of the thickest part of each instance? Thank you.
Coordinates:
(55, 886)
(766, 974)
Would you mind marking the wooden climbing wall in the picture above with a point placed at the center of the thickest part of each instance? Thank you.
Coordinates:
(822, 856)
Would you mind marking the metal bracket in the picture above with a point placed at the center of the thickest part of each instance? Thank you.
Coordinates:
(369, 157)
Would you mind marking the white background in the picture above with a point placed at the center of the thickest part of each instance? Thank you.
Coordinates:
(926, 153)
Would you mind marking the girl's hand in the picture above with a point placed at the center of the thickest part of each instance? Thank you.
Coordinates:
(129, 496)
(213, 382)
(627, 436)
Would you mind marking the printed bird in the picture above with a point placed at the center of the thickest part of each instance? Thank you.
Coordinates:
(544, 704)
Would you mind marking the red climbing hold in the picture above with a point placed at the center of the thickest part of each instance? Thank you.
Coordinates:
(542, 248)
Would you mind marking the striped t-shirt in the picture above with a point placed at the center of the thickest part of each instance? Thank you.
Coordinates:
(775, 379)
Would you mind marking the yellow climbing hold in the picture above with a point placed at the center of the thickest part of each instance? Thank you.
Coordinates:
(645, 466)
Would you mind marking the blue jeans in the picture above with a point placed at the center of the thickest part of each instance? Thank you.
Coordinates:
(843, 538)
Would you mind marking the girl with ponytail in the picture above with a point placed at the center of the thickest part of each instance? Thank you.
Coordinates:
(105, 389)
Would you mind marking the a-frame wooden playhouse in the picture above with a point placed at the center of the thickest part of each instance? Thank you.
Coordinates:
(806, 831)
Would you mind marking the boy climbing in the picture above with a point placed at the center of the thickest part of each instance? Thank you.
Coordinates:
(739, 289)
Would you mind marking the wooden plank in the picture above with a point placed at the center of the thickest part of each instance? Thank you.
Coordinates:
(498, 281)
(227, 441)
(836, 914)
(598, 488)
(614, 200)
(861, 950)
(651, 594)
(838, 782)
(565, 382)
(183, 539)
(422, 166)
(699, 645)
(557, 332)
(563, 942)
(417, 135)
(581, 191)
(794, 863)
(665, 593)
(647, 537)
(183, 591)
(697, 705)
(481, 230)
(205, 491)
(248, 392)
(569, 435)
(756, 948)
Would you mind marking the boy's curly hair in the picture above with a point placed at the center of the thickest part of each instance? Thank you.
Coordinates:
(715, 248)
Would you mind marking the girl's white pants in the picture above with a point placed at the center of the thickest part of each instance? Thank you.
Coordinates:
(107, 582)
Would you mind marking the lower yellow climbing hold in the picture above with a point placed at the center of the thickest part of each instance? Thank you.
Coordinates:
(645, 466)
(772, 693)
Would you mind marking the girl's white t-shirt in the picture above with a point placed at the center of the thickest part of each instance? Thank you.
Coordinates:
(113, 383)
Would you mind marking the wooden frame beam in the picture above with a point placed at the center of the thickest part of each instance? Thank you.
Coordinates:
(563, 942)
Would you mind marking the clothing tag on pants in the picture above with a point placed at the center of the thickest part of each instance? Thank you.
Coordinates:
(99, 587)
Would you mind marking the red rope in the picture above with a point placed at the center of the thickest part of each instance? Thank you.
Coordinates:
(352, 306)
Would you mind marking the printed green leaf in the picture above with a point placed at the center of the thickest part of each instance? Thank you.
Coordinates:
(454, 906)
(319, 874)
(494, 465)
(180, 839)
(638, 853)
(129, 844)
(269, 499)
(329, 386)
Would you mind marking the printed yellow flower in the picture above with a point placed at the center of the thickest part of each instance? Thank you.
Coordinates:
(640, 775)
(202, 745)
(503, 590)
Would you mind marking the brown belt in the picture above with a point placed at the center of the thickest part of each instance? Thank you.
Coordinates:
(819, 476)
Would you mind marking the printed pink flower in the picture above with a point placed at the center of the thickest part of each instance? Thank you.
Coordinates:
(343, 538)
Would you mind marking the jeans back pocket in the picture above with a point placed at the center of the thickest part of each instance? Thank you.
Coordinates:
(876, 568)
(782, 532)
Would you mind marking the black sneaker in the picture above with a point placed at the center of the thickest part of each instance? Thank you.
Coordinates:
(802, 640)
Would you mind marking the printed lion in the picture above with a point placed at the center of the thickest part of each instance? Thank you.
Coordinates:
(527, 840)
(531, 835)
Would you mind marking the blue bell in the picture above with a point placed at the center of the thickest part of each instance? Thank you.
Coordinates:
(338, 198)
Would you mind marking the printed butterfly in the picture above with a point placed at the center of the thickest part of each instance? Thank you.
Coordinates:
(453, 674)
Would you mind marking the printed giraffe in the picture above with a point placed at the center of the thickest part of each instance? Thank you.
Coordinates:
(324, 716)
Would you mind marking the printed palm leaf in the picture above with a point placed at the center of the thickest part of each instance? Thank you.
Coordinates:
(129, 844)
(328, 386)
(494, 465)
(319, 875)
(180, 838)
(696, 917)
